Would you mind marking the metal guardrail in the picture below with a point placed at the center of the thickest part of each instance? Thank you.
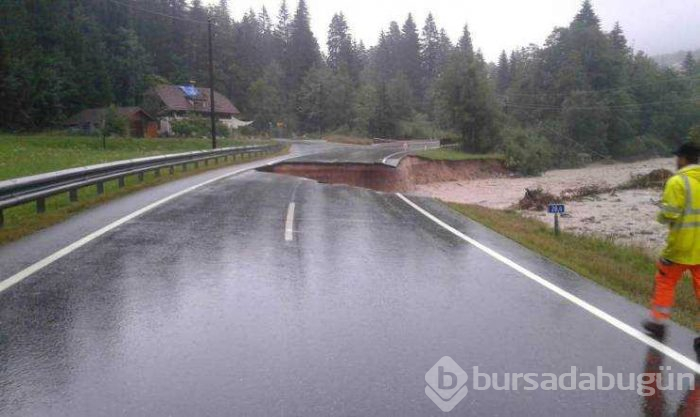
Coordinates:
(38, 188)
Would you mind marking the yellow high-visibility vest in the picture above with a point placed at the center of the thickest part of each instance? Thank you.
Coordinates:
(681, 211)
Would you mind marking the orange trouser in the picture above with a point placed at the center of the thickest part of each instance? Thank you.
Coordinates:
(667, 276)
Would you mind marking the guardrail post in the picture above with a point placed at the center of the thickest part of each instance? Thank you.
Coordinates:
(206, 162)
(216, 161)
(157, 172)
(40, 205)
(196, 164)
(184, 167)
(73, 195)
(2, 219)
(140, 176)
(120, 181)
(100, 188)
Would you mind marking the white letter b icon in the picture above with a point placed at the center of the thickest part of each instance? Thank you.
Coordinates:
(446, 384)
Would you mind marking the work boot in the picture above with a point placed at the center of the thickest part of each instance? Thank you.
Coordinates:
(656, 330)
(696, 346)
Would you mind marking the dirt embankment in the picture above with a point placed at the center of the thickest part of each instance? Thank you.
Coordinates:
(411, 172)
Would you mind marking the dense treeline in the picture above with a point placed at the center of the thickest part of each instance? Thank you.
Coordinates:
(584, 91)
(587, 91)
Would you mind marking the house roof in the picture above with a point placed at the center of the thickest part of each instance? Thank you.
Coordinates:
(96, 115)
(174, 98)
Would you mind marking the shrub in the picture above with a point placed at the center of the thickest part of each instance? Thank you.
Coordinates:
(115, 124)
(694, 134)
(537, 200)
(645, 146)
(526, 152)
(419, 127)
(654, 179)
(195, 126)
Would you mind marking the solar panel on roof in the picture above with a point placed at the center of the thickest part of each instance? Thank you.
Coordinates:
(189, 90)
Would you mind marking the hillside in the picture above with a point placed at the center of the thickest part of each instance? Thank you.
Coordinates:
(674, 59)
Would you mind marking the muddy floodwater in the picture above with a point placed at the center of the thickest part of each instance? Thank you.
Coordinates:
(626, 216)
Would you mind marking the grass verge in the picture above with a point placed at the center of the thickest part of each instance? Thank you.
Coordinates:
(447, 154)
(23, 220)
(35, 154)
(626, 270)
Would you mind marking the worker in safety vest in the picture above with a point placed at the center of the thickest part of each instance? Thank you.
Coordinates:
(681, 211)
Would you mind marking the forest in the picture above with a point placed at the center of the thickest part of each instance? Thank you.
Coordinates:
(584, 93)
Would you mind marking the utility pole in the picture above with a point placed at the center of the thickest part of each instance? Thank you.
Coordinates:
(320, 110)
(212, 109)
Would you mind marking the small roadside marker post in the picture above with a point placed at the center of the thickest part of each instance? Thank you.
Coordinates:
(556, 209)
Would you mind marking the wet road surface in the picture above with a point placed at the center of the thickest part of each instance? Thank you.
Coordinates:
(203, 307)
(384, 153)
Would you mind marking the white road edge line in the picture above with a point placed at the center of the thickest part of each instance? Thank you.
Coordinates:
(23, 274)
(620, 325)
(289, 225)
(393, 154)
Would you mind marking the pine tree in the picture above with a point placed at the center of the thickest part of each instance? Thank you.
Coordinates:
(444, 49)
(302, 51)
(393, 48)
(465, 44)
(266, 100)
(265, 21)
(465, 101)
(248, 61)
(618, 40)
(430, 52)
(586, 17)
(282, 30)
(503, 73)
(689, 64)
(339, 44)
(409, 57)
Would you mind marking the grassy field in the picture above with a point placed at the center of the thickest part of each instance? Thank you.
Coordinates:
(28, 155)
(448, 154)
(625, 270)
(23, 220)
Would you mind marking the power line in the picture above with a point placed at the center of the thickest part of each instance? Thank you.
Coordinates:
(574, 141)
(153, 12)
(630, 86)
(559, 110)
(534, 106)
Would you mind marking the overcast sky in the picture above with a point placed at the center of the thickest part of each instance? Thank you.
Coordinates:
(655, 26)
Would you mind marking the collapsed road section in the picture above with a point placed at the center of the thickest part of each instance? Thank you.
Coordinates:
(409, 172)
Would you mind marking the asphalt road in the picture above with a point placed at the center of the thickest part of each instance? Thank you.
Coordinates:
(385, 153)
(215, 305)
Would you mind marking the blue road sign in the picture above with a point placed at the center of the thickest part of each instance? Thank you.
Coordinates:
(556, 209)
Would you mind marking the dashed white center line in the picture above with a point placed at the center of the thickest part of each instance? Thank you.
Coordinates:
(289, 225)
